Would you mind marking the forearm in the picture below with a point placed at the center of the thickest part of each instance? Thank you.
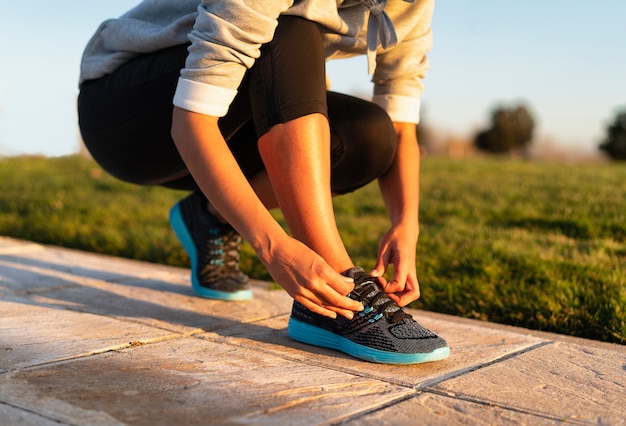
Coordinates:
(400, 185)
(213, 166)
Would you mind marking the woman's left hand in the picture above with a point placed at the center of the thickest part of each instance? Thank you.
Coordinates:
(398, 251)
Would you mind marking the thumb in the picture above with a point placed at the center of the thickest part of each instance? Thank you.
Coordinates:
(379, 268)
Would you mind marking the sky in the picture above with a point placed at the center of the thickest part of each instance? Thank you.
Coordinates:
(564, 59)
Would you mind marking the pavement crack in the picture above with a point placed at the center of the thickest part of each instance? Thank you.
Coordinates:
(461, 397)
(463, 371)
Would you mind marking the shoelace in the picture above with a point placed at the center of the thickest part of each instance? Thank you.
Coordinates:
(232, 243)
(223, 248)
(371, 295)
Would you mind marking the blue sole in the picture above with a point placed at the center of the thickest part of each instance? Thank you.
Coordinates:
(178, 225)
(316, 336)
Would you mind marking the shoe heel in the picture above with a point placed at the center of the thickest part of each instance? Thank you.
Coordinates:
(178, 225)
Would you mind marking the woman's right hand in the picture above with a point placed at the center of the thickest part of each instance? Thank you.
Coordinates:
(308, 279)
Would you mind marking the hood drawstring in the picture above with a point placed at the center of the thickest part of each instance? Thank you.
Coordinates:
(379, 29)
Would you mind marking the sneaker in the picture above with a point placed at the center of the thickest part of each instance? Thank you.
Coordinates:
(382, 332)
(213, 248)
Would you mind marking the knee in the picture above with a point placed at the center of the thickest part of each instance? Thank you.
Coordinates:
(367, 148)
(377, 140)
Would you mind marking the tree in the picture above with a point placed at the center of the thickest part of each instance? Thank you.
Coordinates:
(511, 129)
(615, 143)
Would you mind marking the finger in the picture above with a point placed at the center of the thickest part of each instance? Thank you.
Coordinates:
(393, 287)
(410, 294)
(342, 303)
(395, 298)
(405, 298)
(346, 313)
(326, 297)
(382, 281)
(381, 265)
(315, 308)
(342, 285)
(400, 279)
(335, 294)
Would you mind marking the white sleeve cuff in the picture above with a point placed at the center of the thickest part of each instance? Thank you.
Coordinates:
(203, 98)
(401, 109)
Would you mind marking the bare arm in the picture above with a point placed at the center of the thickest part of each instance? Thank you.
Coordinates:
(400, 191)
(303, 274)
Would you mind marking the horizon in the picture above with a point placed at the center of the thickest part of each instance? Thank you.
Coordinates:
(564, 60)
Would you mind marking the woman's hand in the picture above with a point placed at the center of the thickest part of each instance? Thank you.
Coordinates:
(397, 249)
(310, 280)
(400, 190)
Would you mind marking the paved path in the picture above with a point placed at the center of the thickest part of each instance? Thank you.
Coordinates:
(95, 340)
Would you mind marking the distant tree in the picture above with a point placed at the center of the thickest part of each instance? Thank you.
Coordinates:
(615, 143)
(511, 129)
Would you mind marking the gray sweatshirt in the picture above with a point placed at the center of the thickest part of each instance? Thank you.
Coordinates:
(226, 36)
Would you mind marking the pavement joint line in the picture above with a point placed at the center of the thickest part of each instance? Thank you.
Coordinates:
(482, 402)
(85, 355)
(201, 333)
(191, 333)
(36, 413)
(467, 370)
(345, 418)
(43, 290)
(371, 410)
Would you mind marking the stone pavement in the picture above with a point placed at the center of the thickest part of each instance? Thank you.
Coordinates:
(95, 340)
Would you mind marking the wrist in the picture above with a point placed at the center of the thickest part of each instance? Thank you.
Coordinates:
(267, 244)
(408, 227)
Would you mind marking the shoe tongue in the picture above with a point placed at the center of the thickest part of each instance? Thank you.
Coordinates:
(361, 280)
(353, 272)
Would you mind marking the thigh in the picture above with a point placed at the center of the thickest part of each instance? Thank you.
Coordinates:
(125, 118)
(288, 81)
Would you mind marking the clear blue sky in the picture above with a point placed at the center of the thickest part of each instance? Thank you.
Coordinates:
(566, 59)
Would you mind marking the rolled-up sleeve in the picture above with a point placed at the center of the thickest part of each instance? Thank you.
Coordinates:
(400, 70)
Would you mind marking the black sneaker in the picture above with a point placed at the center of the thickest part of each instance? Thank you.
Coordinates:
(213, 248)
(382, 332)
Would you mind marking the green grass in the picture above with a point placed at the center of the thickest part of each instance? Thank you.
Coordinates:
(538, 245)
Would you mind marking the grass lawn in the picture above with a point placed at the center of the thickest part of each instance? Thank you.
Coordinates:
(538, 245)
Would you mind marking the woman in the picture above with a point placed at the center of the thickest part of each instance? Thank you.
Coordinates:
(228, 99)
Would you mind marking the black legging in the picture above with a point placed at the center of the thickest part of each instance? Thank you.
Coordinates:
(125, 117)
